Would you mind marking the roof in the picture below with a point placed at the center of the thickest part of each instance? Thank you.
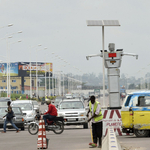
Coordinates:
(70, 100)
(5, 99)
(140, 92)
(22, 101)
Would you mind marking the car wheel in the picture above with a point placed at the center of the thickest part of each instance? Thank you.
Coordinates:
(85, 126)
(141, 133)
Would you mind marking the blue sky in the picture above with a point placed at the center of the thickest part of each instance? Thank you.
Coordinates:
(60, 25)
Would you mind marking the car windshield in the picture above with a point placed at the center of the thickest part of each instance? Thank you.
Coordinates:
(57, 100)
(16, 111)
(35, 102)
(23, 106)
(3, 103)
(71, 105)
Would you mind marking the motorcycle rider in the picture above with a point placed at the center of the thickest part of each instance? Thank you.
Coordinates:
(51, 113)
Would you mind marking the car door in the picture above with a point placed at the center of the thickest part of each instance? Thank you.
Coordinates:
(141, 113)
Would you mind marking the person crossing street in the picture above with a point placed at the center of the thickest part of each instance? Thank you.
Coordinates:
(9, 118)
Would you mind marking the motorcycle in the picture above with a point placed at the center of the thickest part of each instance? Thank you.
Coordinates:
(57, 125)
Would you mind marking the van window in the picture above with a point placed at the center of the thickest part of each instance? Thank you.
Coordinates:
(144, 101)
(128, 100)
(132, 100)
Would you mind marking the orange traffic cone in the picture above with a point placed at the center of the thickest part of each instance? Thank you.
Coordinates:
(42, 142)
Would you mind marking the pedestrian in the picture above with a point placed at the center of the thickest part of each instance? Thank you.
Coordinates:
(20, 97)
(26, 96)
(9, 116)
(97, 122)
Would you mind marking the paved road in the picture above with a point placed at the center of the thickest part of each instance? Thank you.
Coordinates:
(73, 138)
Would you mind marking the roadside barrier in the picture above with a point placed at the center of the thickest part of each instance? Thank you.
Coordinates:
(110, 141)
(42, 141)
(113, 118)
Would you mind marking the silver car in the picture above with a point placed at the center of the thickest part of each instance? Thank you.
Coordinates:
(4, 100)
(73, 111)
(57, 101)
(36, 106)
(27, 108)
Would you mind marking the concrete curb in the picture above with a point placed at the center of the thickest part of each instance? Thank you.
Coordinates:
(110, 142)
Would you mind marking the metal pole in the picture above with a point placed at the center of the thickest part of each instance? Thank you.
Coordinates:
(36, 77)
(9, 79)
(45, 80)
(30, 78)
(7, 67)
(68, 83)
(55, 83)
(49, 81)
(63, 86)
(103, 66)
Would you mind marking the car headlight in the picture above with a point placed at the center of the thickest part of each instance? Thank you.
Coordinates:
(60, 115)
(82, 114)
(30, 115)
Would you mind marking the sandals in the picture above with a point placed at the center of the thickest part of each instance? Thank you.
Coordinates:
(93, 144)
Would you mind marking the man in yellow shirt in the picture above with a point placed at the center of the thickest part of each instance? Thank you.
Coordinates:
(97, 121)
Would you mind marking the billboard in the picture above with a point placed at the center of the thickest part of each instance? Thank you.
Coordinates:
(24, 69)
(13, 69)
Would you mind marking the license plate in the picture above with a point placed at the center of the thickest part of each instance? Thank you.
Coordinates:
(71, 119)
(8, 124)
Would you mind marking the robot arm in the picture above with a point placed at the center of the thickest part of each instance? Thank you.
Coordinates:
(130, 54)
(93, 55)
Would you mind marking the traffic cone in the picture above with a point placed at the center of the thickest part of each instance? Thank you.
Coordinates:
(42, 142)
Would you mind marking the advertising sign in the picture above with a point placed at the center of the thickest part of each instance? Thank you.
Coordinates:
(40, 67)
(13, 69)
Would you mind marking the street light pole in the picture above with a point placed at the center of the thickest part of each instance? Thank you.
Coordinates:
(30, 70)
(45, 81)
(10, 66)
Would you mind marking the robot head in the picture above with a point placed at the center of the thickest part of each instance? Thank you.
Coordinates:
(111, 47)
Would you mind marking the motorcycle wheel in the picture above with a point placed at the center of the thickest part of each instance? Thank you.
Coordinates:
(59, 127)
(33, 128)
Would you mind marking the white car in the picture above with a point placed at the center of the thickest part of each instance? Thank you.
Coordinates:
(69, 96)
(27, 108)
(36, 105)
(73, 111)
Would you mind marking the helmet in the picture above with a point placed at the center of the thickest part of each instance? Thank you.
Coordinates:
(48, 101)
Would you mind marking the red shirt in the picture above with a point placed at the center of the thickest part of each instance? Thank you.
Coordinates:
(51, 110)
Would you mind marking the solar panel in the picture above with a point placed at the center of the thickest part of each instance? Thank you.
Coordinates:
(111, 23)
(103, 23)
(94, 23)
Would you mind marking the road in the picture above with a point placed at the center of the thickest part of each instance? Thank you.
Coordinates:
(73, 138)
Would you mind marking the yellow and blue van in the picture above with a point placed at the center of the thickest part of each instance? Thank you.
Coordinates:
(135, 113)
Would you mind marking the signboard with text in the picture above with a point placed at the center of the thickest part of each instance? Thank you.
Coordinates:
(41, 68)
